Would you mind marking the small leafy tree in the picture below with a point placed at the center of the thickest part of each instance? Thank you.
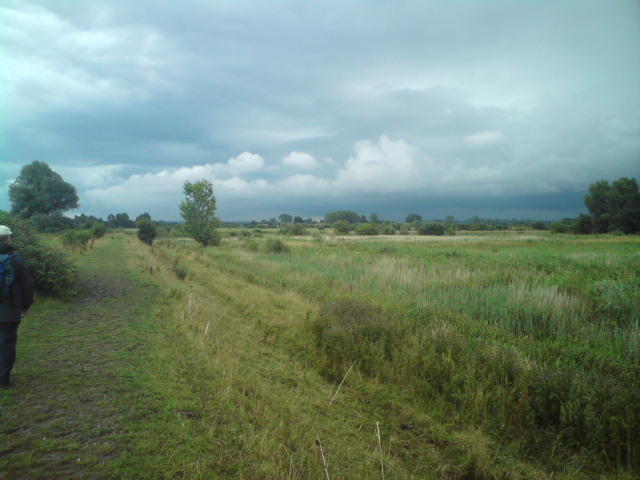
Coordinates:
(285, 218)
(198, 210)
(146, 231)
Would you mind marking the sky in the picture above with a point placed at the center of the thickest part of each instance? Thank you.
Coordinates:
(499, 109)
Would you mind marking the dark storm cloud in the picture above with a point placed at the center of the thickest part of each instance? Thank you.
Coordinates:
(382, 106)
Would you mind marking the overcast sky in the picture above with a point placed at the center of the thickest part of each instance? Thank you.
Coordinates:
(501, 109)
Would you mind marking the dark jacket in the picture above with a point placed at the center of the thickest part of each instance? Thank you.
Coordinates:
(21, 290)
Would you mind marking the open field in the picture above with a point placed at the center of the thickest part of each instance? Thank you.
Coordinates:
(500, 356)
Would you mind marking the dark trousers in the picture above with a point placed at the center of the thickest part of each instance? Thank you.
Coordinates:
(8, 340)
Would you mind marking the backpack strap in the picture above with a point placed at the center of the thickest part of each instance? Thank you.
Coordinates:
(6, 274)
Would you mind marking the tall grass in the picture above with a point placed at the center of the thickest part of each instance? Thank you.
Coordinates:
(534, 337)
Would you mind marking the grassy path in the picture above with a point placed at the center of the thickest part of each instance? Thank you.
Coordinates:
(64, 418)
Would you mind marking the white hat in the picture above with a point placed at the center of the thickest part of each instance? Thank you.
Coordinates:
(4, 231)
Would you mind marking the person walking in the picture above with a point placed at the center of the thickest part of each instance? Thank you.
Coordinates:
(16, 297)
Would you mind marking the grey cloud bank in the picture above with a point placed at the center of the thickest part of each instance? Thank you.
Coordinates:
(496, 109)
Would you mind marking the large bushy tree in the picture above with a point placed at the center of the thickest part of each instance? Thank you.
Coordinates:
(599, 205)
(198, 210)
(614, 207)
(38, 190)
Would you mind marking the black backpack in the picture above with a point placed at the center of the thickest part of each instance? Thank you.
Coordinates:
(6, 274)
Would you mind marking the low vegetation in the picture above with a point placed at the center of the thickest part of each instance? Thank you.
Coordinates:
(52, 269)
(534, 339)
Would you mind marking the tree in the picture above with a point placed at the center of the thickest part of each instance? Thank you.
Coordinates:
(298, 220)
(146, 231)
(198, 210)
(582, 225)
(614, 207)
(373, 218)
(285, 218)
(143, 215)
(344, 215)
(624, 202)
(538, 225)
(413, 217)
(598, 201)
(558, 227)
(40, 190)
(430, 228)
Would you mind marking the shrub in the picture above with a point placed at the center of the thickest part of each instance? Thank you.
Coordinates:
(367, 229)
(51, 223)
(274, 245)
(430, 228)
(251, 245)
(388, 230)
(341, 227)
(348, 331)
(146, 231)
(558, 227)
(295, 229)
(98, 230)
(178, 269)
(52, 271)
(77, 239)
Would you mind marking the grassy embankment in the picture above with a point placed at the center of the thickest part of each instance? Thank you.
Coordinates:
(480, 357)
(524, 347)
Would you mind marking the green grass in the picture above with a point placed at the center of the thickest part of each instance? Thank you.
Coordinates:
(477, 356)
(562, 312)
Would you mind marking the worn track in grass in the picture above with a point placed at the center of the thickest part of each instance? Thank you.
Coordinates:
(62, 419)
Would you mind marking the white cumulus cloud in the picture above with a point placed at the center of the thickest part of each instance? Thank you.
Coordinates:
(246, 162)
(301, 160)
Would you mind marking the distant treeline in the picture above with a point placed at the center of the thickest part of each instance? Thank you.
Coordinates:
(41, 196)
